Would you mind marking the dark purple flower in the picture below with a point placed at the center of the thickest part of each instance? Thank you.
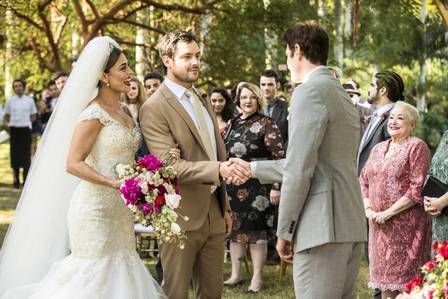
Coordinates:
(156, 209)
(161, 188)
(131, 191)
(150, 162)
(147, 208)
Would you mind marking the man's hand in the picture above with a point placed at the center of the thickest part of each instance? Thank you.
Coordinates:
(274, 197)
(284, 249)
(233, 172)
(245, 167)
(228, 222)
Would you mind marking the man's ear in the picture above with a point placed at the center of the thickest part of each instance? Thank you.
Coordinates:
(166, 61)
(383, 91)
(298, 51)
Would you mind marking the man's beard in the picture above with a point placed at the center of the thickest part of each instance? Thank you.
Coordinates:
(185, 78)
(372, 100)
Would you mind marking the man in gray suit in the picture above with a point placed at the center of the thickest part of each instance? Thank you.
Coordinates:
(321, 219)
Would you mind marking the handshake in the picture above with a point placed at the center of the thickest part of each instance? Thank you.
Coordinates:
(235, 171)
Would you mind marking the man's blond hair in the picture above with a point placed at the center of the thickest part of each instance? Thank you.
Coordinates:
(168, 42)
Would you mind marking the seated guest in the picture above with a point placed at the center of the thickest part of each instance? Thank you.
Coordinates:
(251, 136)
(135, 97)
(434, 206)
(222, 106)
(391, 183)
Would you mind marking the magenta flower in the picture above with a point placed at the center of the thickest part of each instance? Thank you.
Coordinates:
(147, 208)
(131, 191)
(150, 162)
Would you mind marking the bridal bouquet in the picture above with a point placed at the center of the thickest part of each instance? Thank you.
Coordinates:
(150, 189)
(434, 283)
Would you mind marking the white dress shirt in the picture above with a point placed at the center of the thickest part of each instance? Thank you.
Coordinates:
(179, 92)
(20, 110)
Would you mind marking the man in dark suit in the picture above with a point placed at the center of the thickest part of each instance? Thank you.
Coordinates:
(385, 89)
(276, 107)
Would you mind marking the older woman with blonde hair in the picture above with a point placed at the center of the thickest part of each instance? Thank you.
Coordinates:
(391, 183)
(251, 136)
(135, 97)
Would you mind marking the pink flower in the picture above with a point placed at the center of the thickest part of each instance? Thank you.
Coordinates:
(429, 266)
(150, 162)
(435, 245)
(131, 191)
(443, 251)
(417, 282)
(445, 289)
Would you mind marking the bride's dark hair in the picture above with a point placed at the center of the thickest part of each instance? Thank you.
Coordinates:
(111, 61)
(113, 58)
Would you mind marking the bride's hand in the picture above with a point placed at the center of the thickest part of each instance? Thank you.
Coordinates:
(175, 153)
(116, 184)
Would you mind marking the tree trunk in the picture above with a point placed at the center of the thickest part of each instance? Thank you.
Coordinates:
(339, 39)
(269, 40)
(8, 55)
(321, 8)
(140, 39)
(421, 105)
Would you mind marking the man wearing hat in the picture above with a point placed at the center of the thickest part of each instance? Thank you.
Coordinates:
(364, 113)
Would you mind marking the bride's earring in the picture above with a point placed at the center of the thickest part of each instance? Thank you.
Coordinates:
(107, 84)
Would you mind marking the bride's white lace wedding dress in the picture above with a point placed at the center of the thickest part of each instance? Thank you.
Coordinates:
(103, 262)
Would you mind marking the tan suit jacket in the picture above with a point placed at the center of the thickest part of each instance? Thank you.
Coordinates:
(165, 123)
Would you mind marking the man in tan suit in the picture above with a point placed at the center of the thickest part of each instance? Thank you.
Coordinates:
(177, 115)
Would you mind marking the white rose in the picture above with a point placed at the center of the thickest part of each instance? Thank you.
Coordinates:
(120, 168)
(144, 186)
(175, 228)
(172, 200)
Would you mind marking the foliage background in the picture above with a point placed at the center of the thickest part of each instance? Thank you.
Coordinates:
(237, 38)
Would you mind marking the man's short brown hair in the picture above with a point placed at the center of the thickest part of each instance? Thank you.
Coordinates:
(168, 42)
(312, 39)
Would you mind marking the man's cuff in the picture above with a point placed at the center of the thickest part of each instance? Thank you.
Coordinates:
(253, 168)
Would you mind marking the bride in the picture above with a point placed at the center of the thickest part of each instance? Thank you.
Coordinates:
(89, 133)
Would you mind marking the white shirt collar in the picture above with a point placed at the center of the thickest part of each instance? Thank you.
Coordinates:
(385, 108)
(175, 88)
(307, 76)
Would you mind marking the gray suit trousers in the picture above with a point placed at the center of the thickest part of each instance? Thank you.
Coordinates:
(327, 271)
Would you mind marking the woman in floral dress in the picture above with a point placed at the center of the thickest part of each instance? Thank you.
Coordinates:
(438, 207)
(391, 183)
(251, 136)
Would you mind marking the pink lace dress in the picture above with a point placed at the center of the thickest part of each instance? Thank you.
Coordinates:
(398, 248)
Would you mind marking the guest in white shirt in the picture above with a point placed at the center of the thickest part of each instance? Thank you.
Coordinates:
(20, 112)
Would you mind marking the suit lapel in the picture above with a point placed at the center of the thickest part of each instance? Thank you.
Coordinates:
(276, 110)
(177, 106)
(374, 130)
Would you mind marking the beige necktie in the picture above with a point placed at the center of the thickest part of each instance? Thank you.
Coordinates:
(203, 128)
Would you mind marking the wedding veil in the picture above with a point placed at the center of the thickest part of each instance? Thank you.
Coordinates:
(38, 236)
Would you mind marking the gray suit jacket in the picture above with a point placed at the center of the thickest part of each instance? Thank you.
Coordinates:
(320, 199)
(378, 135)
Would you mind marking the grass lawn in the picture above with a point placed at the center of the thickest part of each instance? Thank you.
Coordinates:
(272, 289)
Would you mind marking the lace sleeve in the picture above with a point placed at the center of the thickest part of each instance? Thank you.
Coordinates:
(94, 112)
